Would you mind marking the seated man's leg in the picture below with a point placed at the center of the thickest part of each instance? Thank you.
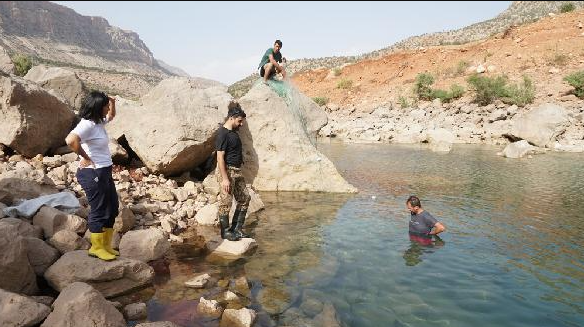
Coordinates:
(270, 71)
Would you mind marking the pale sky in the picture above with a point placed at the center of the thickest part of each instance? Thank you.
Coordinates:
(224, 41)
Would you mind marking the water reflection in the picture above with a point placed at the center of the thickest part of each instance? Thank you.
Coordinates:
(420, 245)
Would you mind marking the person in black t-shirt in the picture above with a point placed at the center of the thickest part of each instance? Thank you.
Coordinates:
(232, 184)
(422, 224)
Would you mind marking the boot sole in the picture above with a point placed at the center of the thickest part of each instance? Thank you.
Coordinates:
(95, 256)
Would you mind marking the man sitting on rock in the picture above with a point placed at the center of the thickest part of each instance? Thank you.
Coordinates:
(271, 62)
(422, 224)
(231, 181)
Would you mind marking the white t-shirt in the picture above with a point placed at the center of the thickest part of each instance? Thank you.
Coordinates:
(94, 141)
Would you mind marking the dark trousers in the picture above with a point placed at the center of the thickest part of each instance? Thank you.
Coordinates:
(100, 190)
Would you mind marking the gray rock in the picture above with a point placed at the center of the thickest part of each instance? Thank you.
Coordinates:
(111, 278)
(198, 281)
(298, 165)
(541, 125)
(172, 127)
(79, 304)
(62, 81)
(135, 311)
(21, 311)
(40, 255)
(144, 245)
(33, 120)
(17, 274)
(67, 241)
(209, 308)
(238, 318)
(23, 228)
(52, 220)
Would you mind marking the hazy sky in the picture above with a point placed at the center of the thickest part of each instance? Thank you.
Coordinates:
(224, 41)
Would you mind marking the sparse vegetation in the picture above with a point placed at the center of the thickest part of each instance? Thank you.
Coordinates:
(520, 94)
(337, 71)
(344, 84)
(461, 67)
(423, 86)
(22, 64)
(489, 89)
(456, 91)
(577, 81)
(321, 101)
(423, 89)
(403, 102)
(567, 7)
(559, 60)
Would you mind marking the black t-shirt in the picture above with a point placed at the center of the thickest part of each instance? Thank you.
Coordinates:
(229, 142)
(422, 224)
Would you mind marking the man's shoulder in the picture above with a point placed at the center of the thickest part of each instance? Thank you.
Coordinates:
(426, 214)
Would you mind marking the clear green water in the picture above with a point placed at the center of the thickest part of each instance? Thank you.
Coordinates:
(512, 255)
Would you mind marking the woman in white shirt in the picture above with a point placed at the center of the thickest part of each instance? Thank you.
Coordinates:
(90, 141)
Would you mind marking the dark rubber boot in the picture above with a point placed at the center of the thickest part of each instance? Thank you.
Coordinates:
(239, 219)
(225, 233)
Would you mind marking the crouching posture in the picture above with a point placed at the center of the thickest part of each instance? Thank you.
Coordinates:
(231, 181)
(90, 141)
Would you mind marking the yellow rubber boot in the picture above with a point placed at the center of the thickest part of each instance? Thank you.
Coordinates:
(107, 241)
(97, 249)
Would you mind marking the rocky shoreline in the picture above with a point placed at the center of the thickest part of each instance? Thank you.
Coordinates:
(548, 126)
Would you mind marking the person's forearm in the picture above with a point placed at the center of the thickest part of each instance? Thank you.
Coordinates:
(78, 149)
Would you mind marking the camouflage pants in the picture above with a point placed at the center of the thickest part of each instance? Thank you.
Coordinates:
(237, 188)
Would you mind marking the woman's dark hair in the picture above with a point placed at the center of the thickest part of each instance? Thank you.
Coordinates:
(278, 42)
(92, 107)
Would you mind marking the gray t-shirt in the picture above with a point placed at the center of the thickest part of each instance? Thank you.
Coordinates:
(422, 223)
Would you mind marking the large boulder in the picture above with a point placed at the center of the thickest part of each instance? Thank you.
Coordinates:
(541, 125)
(79, 304)
(519, 149)
(15, 185)
(172, 128)
(278, 152)
(17, 274)
(111, 278)
(33, 121)
(64, 82)
(144, 245)
(23, 228)
(40, 255)
(20, 311)
(52, 220)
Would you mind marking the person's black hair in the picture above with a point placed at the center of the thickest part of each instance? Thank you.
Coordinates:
(278, 42)
(234, 110)
(92, 107)
(414, 201)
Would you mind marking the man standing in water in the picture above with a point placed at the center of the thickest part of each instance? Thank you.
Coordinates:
(231, 181)
(271, 62)
(422, 224)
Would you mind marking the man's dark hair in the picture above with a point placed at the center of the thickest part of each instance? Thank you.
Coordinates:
(234, 110)
(414, 201)
(92, 107)
(278, 42)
